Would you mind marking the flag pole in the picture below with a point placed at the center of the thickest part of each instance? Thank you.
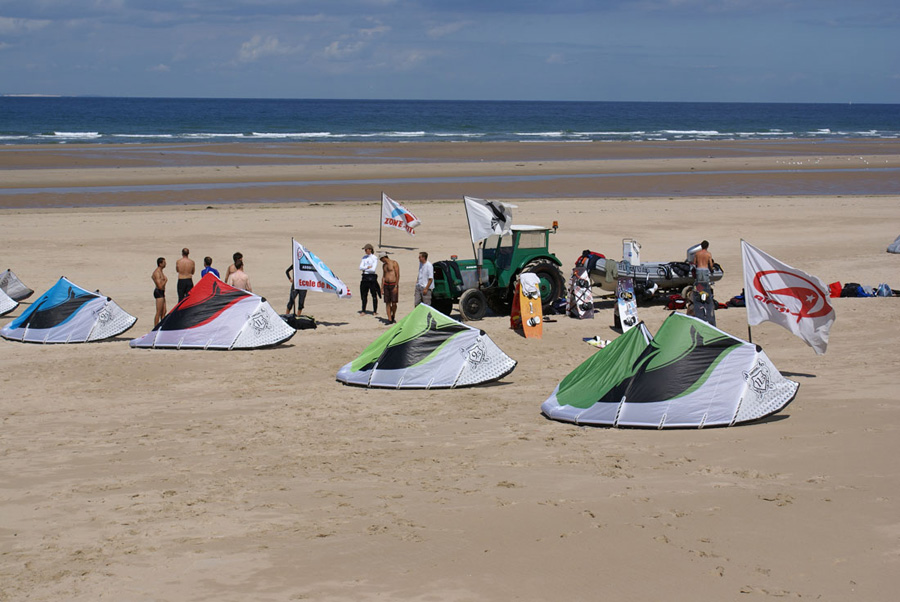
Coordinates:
(474, 252)
(380, 224)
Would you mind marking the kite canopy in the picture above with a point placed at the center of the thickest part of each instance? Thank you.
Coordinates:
(690, 375)
(68, 313)
(428, 350)
(12, 286)
(215, 315)
(894, 247)
(7, 303)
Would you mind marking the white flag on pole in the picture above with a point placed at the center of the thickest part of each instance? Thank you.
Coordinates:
(395, 215)
(311, 274)
(488, 217)
(776, 292)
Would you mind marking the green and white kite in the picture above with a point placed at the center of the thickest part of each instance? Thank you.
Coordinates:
(428, 350)
(690, 375)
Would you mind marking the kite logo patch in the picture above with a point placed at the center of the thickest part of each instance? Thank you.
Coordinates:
(759, 379)
(104, 316)
(476, 353)
(259, 321)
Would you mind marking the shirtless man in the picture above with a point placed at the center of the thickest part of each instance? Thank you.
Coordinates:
(185, 269)
(238, 278)
(159, 292)
(231, 268)
(703, 261)
(390, 281)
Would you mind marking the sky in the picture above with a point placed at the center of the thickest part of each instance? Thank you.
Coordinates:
(604, 50)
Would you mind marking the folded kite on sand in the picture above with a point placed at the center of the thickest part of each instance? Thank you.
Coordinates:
(690, 375)
(12, 286)
(7, 303)
(215, 315)
(428, 350)
(67, 313)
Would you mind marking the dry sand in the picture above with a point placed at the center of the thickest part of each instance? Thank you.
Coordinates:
(164, 475)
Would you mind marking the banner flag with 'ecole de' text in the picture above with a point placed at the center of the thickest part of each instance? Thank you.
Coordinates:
(311, 274)
(395, 215)
(776, 292)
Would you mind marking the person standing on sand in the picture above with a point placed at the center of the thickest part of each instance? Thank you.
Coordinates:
(703, 260)
(230, 270)
(297, 294)
(207, 268)
(390, 282)
(238, 278)
(159, 291)
(369, 282)
(185, 269)
(425, 281)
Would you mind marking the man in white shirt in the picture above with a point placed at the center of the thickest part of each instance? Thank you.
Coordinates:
(369, 283)
(425, 281)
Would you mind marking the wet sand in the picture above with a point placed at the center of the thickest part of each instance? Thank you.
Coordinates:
(99, 175)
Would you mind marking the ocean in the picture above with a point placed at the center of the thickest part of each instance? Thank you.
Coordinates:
(61, 120)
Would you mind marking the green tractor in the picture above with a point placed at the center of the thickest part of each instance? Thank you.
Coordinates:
(490, 282)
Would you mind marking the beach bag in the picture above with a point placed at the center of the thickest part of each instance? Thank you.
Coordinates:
(834, 289)
(851, 289)
(675, 302)
(737, 301)
(883, 290)
(589, 259)
(865, 291)
(299, 322)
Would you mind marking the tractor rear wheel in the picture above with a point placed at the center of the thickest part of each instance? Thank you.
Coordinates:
(472, 305)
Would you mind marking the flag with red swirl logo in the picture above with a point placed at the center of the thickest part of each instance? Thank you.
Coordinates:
(395, 215)
(776, 292)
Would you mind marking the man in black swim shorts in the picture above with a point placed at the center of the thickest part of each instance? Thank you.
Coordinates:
(159, 292)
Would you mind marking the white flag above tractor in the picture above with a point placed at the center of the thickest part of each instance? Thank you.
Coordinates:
(395, 215)
(487, 218)
(776, 292)
(311, 274)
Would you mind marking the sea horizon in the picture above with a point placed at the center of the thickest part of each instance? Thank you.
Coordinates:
(45, 119)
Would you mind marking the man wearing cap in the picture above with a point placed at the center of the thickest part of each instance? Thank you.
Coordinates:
(390, 280)
(369, 282)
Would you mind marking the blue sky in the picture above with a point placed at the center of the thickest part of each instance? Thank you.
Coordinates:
(649, 50)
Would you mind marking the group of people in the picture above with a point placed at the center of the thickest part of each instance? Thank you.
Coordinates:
(390, 282)
(185, 268)
(236, 277)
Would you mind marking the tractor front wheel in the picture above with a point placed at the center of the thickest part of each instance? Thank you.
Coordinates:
(472, 305)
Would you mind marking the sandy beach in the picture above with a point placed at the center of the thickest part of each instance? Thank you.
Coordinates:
(174, 475)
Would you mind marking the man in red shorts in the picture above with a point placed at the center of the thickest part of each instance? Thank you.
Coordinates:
(390, 281)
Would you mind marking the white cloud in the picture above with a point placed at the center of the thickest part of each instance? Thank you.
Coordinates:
(340, 50)
(440, 31)
(21, 26)
(349, 45)
(556, 59)
(259, 47)
(161, 68)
